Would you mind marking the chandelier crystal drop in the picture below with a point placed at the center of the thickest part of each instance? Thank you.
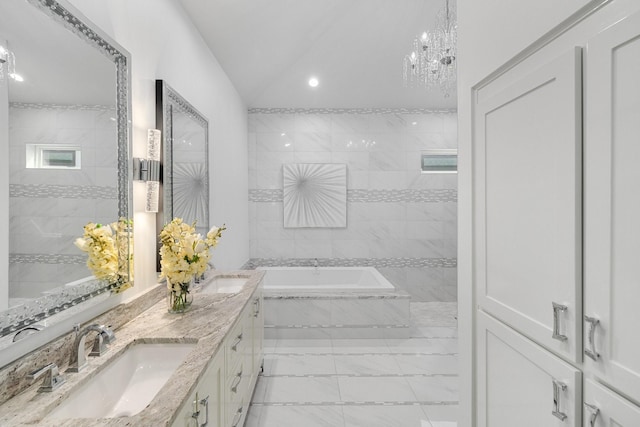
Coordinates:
(432, 61)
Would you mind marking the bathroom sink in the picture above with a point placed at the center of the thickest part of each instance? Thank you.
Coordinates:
(224, 285)
(127, 384)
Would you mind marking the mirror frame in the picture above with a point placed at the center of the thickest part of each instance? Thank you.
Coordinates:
(166, 99)
(63, 298)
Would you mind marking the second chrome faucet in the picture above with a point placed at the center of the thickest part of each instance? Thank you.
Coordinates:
(78, 355)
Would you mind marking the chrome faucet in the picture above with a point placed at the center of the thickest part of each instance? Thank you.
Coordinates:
(78, 357)
(52, 378)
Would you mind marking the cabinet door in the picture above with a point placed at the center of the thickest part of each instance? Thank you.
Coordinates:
(612, 206)
(604, 408)
(520, 383)
(258, 333)
(527, 178)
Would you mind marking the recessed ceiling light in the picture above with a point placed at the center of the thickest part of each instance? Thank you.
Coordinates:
(313, 82)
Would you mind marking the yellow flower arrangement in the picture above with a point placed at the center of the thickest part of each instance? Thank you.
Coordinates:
(184, 253)
(107, 253)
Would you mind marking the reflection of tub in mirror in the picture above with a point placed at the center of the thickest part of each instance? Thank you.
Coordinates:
(185, 164)
(73, 110)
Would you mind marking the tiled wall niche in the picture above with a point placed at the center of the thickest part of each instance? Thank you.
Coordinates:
(45, 219)
(399, 220)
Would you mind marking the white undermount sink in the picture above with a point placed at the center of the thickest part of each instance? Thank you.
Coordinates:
(224, 285)
(127, 384)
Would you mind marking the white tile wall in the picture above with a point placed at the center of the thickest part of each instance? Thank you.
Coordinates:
(45, 227)
(382, 152)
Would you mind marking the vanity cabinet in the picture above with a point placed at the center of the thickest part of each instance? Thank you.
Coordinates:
(556, 237)
(229, 380)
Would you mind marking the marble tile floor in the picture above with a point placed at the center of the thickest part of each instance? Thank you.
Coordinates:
(409, 382)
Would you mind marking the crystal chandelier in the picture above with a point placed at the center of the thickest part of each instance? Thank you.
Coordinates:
(432, 61)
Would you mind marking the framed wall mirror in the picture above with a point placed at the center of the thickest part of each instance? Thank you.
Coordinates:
(67, 123)
(185, 161)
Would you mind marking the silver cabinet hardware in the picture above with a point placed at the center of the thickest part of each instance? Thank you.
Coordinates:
(196, 410)
(256, 304)
(557, 387)
(237, 417)
(52, 378)
(594, 414)
(557, 308)
(236, 381)
(234, 346)
(591, 351)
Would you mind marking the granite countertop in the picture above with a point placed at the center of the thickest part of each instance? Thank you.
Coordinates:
(207, 323)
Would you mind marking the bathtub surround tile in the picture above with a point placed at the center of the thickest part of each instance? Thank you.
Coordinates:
(442, 415)
(382, 148)
(423, 346)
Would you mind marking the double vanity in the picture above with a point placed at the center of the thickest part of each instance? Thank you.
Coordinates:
(162, 369)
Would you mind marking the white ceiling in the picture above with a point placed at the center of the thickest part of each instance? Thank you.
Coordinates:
(270, 48)
(57, 66)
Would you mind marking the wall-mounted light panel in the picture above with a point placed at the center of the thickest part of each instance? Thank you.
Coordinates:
(443, 160)
(46, 156)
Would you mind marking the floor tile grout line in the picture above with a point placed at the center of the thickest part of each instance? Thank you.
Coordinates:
(337, 375)
(362, 403)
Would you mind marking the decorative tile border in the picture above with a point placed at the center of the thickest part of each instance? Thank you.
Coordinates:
(75, 107)
(406, 195)
(370, 196)
(252, 263)
(47, 259)
(44, 191)
(350, 111)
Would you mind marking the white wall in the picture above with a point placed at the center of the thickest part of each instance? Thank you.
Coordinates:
(164, 45)
(490, 33)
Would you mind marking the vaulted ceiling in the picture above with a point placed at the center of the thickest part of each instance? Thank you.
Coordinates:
(270, 49)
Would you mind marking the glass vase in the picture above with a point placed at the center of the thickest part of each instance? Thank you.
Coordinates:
(179, 297)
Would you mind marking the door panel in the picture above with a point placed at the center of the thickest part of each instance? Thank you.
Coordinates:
(605, 408)
(516, 381)
(612, 206)
(527, 165)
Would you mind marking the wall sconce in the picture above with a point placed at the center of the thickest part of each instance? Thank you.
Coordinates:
(148, 170)
(7, 57)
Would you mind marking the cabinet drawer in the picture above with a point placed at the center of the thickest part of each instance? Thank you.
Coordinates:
(522, 384)
(605, 408)
(238, 343)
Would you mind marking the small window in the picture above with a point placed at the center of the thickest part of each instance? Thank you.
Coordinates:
(440, 161)
(53, 156)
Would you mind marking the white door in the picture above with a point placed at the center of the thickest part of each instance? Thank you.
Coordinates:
(612, 206)
(522, 384)
(604, 408)
(527, 178)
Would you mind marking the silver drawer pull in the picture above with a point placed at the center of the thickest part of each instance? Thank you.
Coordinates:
(557, 308)
(234, 346)
(237, 417)
(594, 414)
(557, 387)
(591, 351)
(236, 382)
(256, 303)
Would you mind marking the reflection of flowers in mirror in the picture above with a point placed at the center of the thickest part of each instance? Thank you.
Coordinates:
(110, 252)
